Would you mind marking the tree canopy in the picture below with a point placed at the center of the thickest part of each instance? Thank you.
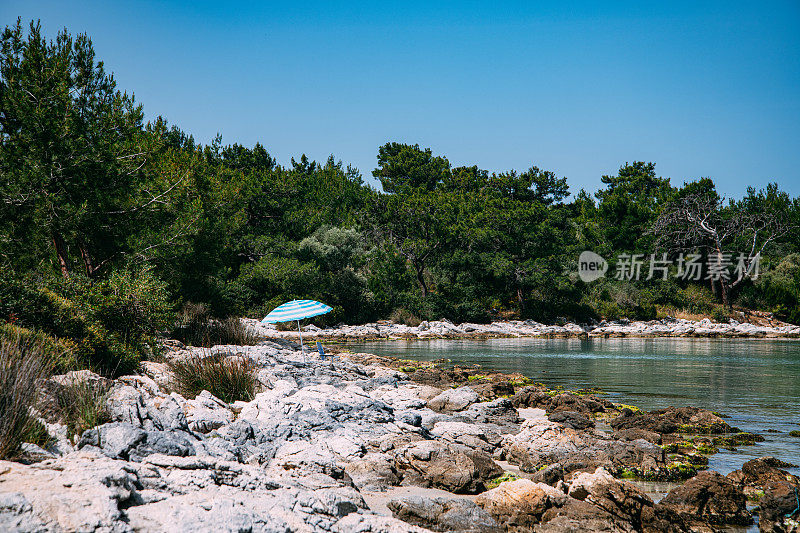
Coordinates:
(110, 225)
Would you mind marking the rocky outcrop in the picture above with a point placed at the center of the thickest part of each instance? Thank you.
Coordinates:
(571, 419)
(672, 420)
(709, 498)
(451, 467)
(438, 329)
(455, 515)
(322, 437)
(454, 399)
(520, 504)
(776, 491)
(585, 404)
(541, 443)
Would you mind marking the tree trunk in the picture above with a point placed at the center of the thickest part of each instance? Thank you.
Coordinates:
(421, 279)
(87, 260)
(521, 300)
(724, 291)
(61, 252)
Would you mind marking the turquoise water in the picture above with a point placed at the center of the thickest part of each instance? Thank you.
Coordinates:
(754, 384)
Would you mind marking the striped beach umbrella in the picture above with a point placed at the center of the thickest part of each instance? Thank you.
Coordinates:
(296, 310)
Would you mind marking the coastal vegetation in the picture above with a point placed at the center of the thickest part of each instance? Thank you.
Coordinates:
(115, 230)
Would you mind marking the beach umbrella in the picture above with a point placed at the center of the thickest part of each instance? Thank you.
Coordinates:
(297, 310)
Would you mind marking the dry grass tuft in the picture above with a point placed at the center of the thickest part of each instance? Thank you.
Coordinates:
(228, 378)
(80, 405)
(23, 364)
(197, 328)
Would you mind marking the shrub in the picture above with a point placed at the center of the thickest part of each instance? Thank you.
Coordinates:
(23, 363)
(720, 314)
(112, 323)
(192, 326)
(404, 316)
(613, 300)
(80, 405)
(780, 288)
(232, 330)
(228, 378)
(196, 328)
(63, 352)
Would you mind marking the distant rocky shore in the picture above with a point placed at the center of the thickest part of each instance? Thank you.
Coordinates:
(363, 443)
(444, 329)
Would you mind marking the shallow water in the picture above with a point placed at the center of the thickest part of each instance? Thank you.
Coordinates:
(754, 384)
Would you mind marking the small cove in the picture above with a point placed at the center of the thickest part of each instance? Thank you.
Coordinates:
(753, 383)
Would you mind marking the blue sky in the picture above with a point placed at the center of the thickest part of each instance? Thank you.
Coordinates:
(701, 89)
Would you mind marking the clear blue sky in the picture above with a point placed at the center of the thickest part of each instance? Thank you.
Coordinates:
(702, 89)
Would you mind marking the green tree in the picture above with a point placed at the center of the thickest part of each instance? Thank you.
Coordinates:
(630, 203)
(402, 166)
(72, 153)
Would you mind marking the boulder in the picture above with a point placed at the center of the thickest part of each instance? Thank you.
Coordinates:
(531, 396)
(582, 403)
(710, 498)
(474, 436)
(456, 515)
(542, 443)
(500, 413)
(206, 413)
(119, 440)
(778, 509)
(77, 377)
(673, 420)
(571, 419)
(577, 516)
(451, 467)
(775, 489)
(618, 498)
(636, 434)
(491, 390)
(453, 399)
(374, 472)
(549, 475)
(520, 503)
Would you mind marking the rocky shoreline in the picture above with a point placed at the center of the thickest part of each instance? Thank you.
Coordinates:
(372, 444)
(444, 329)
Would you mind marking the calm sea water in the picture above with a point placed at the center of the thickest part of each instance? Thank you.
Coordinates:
(755, 384)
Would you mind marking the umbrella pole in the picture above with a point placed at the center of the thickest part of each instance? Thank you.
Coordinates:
(301, 341)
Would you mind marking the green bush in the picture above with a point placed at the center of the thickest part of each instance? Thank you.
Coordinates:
(228, 378)
(780, 289)
(23, 363)
(613, 300)
(720, 314)
(404, 316)
(111, 323)
(62, 351)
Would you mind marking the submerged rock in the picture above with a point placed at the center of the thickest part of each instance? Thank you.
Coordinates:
(672, 420)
